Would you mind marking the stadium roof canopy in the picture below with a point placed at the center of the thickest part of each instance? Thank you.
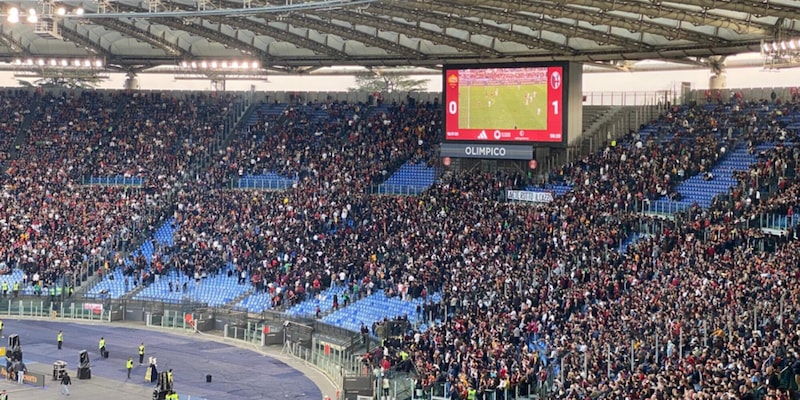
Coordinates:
(300, 36)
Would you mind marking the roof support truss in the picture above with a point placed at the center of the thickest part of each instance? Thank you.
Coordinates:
(93, 47)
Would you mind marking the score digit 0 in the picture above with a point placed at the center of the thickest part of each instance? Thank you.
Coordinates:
(452, 107)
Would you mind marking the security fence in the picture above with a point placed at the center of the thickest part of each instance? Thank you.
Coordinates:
(328, 348)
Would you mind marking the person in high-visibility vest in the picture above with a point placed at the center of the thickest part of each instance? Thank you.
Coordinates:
(5, 288)
(16, 289)
(102, 346)
(471, 393)
(60, 339)
(129, 365)
(141, 353)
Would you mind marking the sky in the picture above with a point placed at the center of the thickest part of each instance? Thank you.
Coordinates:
(650, 81)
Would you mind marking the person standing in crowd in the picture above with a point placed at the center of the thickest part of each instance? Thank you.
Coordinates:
(386, 386)
(60, 339)
(21, 370)
(129, 365)
(9, 367)
(3, 395)
(1, 329)
(102, 346)
(141, 353)
(65, 382)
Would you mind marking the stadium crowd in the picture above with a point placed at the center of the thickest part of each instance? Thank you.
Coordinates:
(13, 110)
(151, 136)
(52, 226)
(525, 288)
(345, 144)
(513, 272)
(315, 231)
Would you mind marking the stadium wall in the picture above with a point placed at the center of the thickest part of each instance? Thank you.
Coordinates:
(574, 103)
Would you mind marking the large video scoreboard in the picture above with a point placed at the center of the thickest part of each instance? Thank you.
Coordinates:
(506, 103)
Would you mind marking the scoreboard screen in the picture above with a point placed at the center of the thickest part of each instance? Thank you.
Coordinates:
(508, 103)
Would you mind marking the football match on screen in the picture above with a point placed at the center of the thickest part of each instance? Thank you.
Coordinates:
(503, 98)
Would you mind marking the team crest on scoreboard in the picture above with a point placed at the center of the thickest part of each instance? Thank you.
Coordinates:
(452, 80)
(555, 80)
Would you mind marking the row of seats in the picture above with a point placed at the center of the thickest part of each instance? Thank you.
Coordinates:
(698, 189)
(411, 175)
(324, 301)
(267, 111)
(115, 284)
(215, 290)
(377, 307)
(256, 302)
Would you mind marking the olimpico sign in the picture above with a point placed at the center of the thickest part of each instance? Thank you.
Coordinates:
(485, 151)
(497, 151)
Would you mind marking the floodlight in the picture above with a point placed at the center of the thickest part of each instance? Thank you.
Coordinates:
(13, 15)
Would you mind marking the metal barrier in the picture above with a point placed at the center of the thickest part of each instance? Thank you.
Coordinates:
(634, 98)
(397, 190)
(664, 208)
(774, 221)
(113, 180)
(523, 391)
(43, 308)
(263, 184)
(333, 361)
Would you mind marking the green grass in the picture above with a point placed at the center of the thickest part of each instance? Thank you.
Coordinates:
(508, 109)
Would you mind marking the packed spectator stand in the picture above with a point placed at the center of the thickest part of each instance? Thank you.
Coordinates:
(533, 297)
(57, 230)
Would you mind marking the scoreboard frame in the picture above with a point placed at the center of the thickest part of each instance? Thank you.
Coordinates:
(557, 106)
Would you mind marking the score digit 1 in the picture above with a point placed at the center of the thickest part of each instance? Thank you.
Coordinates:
(452, 107)
(555, 107)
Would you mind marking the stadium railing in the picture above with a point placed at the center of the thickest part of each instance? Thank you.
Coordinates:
(774, 221)
(113, 180)
(397, 190)
(634, 98)
(664, 208)
(521, 391)
(262, 184)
